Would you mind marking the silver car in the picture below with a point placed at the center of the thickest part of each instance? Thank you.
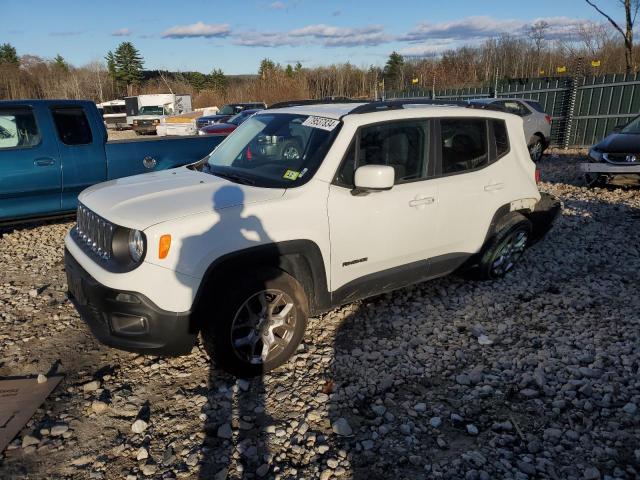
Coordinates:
(537, 123)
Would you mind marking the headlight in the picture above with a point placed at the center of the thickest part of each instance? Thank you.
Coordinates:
(136, 245)
(156, 122)
(135, 122)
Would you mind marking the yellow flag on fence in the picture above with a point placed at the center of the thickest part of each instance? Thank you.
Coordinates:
(561, 69)
(595, 63)
(414, 81)
(541, 72)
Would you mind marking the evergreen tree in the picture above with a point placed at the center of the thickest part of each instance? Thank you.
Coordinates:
(394, 70)
(289, 70)
(60, 64)
(111, 64)
(128, 65)
(217, 79)
(267, 68)
(8, 55)
(298, 67)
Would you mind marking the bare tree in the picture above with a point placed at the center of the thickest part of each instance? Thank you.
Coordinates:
(537, 33)
(630, 11)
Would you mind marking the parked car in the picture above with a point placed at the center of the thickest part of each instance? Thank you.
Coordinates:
(50, 150)
(226, 112)
(225, 128)
(244, 246)
(618, 155)
(537, 123)
(146, 112)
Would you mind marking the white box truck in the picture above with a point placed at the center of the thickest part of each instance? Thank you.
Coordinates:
(144, 112)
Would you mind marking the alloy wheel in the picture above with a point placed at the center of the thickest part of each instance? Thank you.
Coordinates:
(263, 326)
(509, 253)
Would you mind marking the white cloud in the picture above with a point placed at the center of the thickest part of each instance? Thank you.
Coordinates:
(277, 5)
(327, 35)
(121, 32)
(198, 29)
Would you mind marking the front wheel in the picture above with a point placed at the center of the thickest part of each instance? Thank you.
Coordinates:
(260, 322)
(536, 149)
(506, 247)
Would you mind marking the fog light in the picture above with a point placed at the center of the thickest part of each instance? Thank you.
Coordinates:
(127, 298)
(129, 324)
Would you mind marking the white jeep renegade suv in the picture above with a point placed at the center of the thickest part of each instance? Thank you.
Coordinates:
(300, 210)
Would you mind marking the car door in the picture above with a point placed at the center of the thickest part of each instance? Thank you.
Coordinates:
(382, 240)
(471, 185)
(82, 155)
(30, 174)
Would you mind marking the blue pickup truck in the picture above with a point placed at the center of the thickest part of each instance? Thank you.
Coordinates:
(51, 150)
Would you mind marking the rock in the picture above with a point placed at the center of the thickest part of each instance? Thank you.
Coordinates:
(326, 474)
(139, 426)
(243, 384)
(472, 429)
(99, 407)
(630, 408)
(149, 469)
(529, 393)
(82, 461)
(192, 460)
(526, 467)
(224, 431)
(58, 430)
(322, 449)
(435, 422)
(91, 386)
(341, 427)
(463, 379)
(484, 340)
(332, 463)
(42, 378)
(379, 410)
(28, 440)
(142, 454)
(591, 473)
(420, 407)
(33, 293)
(262, 470)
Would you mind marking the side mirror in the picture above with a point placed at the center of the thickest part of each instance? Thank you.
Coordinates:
(373, 178)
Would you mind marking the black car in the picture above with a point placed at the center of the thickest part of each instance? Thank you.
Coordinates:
(618, 155)
(227, 112)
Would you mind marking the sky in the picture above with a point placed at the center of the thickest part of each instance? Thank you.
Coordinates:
(235, 35)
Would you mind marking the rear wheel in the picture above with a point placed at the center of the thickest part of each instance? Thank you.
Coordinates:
(506, 247)
(259, 322)
(536, 149)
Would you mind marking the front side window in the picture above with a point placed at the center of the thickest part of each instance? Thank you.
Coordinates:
(464, 144)
(18, 128)
(152, 110)
(274, 150)
(72, 125)
(401, 145)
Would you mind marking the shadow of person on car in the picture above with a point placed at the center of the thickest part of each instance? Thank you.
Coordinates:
(230, 316)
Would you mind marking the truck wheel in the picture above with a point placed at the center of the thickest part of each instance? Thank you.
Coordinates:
(593, 180)
(506, 246)
(259, 322)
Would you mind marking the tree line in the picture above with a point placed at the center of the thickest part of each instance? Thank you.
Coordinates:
(593, 48)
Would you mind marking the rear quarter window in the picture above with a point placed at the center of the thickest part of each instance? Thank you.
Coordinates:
(536, 106)
(18, 128)
(501, 138)
(72, 125)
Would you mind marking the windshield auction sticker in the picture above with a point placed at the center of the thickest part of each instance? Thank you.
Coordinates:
(291, 174)
(322, 123)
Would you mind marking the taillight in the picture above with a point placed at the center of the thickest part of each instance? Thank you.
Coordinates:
(538, 176)
(548, 119)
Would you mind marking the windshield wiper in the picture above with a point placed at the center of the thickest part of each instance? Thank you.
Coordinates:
(234, 177)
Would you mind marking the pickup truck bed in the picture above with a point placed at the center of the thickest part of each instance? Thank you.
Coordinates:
(51, 150)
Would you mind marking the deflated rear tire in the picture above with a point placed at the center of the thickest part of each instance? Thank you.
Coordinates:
(506, 247)
(256, 323)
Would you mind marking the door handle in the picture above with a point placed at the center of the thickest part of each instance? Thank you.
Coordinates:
(492, 187)
(422, 201)
(44, 162)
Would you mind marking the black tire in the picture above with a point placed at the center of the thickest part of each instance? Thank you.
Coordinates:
(593, 180)
(513, 233)
(234, 303)
(536, 148)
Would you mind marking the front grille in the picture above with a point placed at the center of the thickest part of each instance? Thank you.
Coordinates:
(95, 233)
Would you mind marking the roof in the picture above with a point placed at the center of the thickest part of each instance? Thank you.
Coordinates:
(327, 110)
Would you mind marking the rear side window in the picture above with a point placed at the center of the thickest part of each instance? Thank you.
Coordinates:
(18, 128)
(501, 138)
(535, 105)
(517, 108)
(72, 125)
(464, 144)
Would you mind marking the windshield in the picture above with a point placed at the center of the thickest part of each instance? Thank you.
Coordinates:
(227, 110)
(632, 127)
(152, 110)
(274, 150)
(241, 117)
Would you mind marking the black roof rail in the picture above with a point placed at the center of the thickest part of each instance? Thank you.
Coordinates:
(320, 101)
(398, 104)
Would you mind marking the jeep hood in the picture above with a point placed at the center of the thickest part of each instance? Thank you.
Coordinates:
(620, 143)
(144, 200)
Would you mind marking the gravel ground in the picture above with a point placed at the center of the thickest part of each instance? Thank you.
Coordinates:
(533, 376)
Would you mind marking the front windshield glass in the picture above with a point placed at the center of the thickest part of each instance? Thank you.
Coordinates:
(632, 127)
(151, 110)
(227, 110)
(274, 150)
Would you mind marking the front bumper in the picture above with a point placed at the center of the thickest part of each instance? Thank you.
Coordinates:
(544, 214)
(145, 128)
(138, 326)
(601, 167)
